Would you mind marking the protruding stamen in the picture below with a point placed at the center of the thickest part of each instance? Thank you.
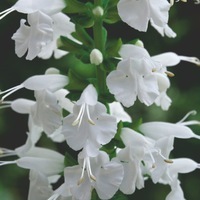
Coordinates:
(82, 173)
(164, 158)
(168, 161)
(7, 162)
(86, 165)
(54, 197)
(10, 91)
(88, 114)
(89, 171)
(6, 152)
(170, 74)
(193, 60)
(6, 12)
(153, 160)
(192, 112)
(80, 116)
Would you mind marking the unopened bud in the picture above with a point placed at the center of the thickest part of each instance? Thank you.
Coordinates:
(139, 43)
(98, 11)
(96, 57)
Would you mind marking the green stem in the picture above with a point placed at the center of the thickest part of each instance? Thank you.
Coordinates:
(99, 39)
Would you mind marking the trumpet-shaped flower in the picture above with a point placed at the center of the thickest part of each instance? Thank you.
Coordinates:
(52, 82)
(134, 77)
(89, 126)
(157, 130)
(48, 7)
(61, 26)
(138, 13)
(32, 38)
(138, 150)
(98, 172)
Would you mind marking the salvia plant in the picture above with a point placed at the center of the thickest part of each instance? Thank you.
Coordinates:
(86, 105)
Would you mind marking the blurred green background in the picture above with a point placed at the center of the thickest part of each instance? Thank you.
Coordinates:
(184, 92)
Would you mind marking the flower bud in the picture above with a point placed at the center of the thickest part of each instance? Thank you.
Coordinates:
(96, 57)
(98, 11)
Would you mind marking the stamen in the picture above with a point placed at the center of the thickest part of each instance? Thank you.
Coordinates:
(170, 74)
(80, 116)
(6, 12)
(164, 158)
(89, 171)
(6, 152)
(54, 197)
(192, 112)
(153, 160)
(82, 173)
(194, 60)
(88, 114)
(7, 162)
(10, 91)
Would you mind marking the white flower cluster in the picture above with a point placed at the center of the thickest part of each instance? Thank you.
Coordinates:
(91, 124)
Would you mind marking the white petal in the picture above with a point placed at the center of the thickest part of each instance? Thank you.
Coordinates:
(39, 186)
(88, 96)
(135, 13)
(183, 165)
(109, 180)
(159, 11)
(167, 59)
(52, 82)
(22, 106)
(46, 6)
(46, 112)
(43, 165)
(118, 111)
(156, 130)
(133, 51)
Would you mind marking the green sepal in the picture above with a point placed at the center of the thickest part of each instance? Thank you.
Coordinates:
(69, 160)
(74, 6)
(113, 47)
(82, 35)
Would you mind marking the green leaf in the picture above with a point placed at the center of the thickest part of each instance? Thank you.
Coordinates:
(74, 6)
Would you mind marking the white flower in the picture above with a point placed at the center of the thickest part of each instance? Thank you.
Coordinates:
(32, 38)
(98, 172)
(89, 126)
(48, 7)
(138, 13)
(169, 59)
(180, 165)
(52, 82)
(157, 130)
(43, 160)
(134, 77)
(61, 27)
(140, 150)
